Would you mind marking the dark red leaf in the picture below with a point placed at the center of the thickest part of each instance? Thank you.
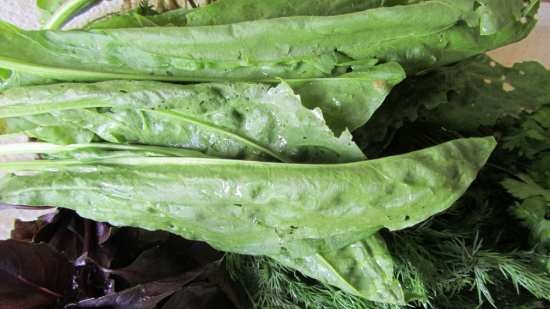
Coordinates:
(77, 239)
(167, 259)
(144, 296)
(32, 275)
(126, 244)
(153, 264)
(64, 234)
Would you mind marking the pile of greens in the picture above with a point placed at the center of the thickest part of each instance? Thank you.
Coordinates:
(277, 155)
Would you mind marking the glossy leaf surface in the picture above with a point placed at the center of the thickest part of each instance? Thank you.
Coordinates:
(364, 268)
(250, 121)
(256, 207)
(263, 49)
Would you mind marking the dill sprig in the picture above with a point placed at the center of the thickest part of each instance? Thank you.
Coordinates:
(271, 285)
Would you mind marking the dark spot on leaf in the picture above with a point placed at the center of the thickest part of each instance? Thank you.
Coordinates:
(237, 115)
(452, 95)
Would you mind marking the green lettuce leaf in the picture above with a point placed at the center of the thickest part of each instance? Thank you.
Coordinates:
(353, 269)
(55, 13)
(261, 50)
(141, 17)
(12, 79)
(26, 107)
(215, 14)
(349, 100)
(238, 120)
(95, 151)
(495, 14)
(48, 7)
(233, 11)
(364, 268)
(255, 208)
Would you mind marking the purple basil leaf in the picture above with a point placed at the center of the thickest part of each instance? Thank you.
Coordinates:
(144, 296)
(126, 244)
(32, 275)
(77, 239)
(199, 295)
(153, 264)
(64, 234)
(167, 259)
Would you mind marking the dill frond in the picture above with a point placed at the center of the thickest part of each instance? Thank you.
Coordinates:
(271, 285)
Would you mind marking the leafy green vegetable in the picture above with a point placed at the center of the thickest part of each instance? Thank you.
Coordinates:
(144, 16)
(479, 95)
(495, 14)
(33, 275)
(55, 13)
(48, 7)
(363, 269)
(332, 236)
(530, 138)
(255, 207)
(224, 120)
(274, 286)
(438, 268)
(448, 269)
(443, 263)
(11, 79)
(534, 206)
(114, 99)
(474, 93)
(480, 92)
(349, 100)
(233, 11)
(96, 150)
(264, 49)
(61, 11)
(52, 99)
(533, 192)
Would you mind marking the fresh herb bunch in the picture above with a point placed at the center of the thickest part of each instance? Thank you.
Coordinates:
(427, 224)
